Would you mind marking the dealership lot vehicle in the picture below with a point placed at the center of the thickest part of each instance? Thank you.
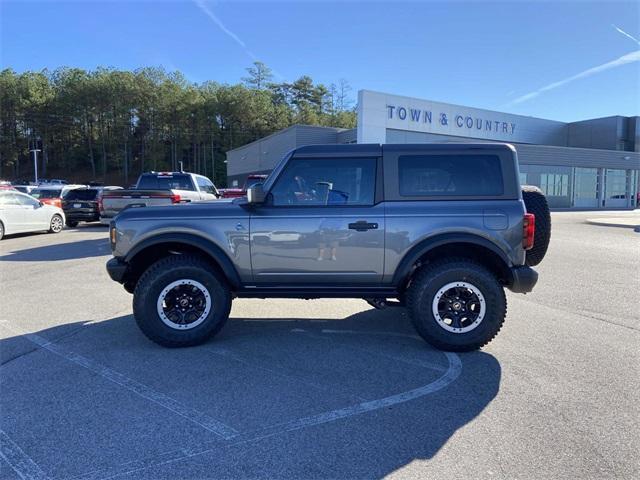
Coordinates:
(83, 204)
(52, 194)
(118, 406)
(21, 213)
(445, 236)
(158, 188)
(251, 180)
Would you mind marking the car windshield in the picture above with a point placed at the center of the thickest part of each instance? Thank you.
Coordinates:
(46, 193)
(81, 194)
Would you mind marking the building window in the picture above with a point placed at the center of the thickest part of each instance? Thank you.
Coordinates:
(554, 184)
(523, 178)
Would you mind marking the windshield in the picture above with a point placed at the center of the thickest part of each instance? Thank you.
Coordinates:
(46, 193)
(81, 194)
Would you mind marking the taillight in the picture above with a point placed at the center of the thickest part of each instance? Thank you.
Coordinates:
(528, 230)
(100, 208)
(175, 198)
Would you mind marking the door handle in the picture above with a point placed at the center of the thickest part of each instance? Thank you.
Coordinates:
(362, 226)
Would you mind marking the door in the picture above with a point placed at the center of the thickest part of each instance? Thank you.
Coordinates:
(585, 188)
(36, 217)
(12, 214)
(615, 188)
(320, 225)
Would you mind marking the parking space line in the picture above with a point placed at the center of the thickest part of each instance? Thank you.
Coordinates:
(19, 461)
(194, 416)
(452, 373)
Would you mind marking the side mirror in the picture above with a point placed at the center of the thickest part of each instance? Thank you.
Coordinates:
(255, 194)
(39, 204)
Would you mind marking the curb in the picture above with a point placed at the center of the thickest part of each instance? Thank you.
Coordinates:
(605, 223)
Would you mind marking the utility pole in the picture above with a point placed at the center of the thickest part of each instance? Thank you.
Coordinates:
(35, 162)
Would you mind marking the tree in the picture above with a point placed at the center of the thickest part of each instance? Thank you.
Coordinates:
(260, 76)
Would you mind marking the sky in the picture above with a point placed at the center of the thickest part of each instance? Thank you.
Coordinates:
(558, 60)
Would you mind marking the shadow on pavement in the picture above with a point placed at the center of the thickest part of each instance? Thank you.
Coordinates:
(59, 251)
(100, 391)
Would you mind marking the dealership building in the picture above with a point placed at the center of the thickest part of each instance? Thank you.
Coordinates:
(587, 164)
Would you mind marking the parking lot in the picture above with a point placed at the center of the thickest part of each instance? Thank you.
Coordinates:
(320, 388)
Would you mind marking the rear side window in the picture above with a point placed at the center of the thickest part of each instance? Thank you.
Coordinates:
(206, 185)
(165, 182)
(450, 175)
(81, 194)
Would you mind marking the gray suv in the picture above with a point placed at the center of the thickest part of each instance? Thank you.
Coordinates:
(438, 229)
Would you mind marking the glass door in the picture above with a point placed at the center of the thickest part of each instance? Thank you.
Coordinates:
(615, 191)
(585, 191)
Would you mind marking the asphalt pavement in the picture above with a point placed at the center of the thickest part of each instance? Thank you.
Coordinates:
(321, 388)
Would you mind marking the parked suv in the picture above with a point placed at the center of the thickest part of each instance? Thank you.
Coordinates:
(438, 229)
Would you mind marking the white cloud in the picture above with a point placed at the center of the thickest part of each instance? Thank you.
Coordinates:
(623, 60)
(626, 34)
(207, 11)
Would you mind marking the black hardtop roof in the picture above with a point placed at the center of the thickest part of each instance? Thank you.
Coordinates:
(375, 149)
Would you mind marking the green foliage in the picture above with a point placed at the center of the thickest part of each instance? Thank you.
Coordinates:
(109, 125)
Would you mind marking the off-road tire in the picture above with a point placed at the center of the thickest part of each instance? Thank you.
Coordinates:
(162, 273)
(430, 279)
(72, 224)
(536, 203)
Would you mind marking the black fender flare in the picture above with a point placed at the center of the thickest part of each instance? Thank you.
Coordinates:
(211, 249)
(414, 254)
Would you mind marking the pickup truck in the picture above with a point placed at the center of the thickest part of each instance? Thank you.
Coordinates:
(156, 189)
(438, 229)
(242, 192)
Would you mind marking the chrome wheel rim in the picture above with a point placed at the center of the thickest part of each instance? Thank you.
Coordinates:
(184, 304)
(56, 224)
(459, 307)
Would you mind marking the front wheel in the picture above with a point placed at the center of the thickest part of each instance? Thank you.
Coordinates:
(181, 301)
(456, 305)
(72, 224)
(56, 224)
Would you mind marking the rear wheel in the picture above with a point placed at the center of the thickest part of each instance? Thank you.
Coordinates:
(456, 304)
(56, 224)
(181, 301)
(72, 224)
(1, 230)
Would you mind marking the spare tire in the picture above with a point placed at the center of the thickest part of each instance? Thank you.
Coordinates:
(536, 203)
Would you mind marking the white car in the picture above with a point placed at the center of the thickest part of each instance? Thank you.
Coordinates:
(21, 213)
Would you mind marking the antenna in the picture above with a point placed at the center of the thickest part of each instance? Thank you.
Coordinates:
(181, 169)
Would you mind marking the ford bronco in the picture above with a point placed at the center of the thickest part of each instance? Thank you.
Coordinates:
(438, 229)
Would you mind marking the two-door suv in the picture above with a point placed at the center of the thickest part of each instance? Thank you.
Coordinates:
(442, 229)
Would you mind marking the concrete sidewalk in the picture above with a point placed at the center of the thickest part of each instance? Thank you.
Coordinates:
(627, 221)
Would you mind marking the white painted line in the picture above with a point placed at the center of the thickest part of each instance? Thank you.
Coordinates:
(195, 416)
(19, 461)
(452, 373)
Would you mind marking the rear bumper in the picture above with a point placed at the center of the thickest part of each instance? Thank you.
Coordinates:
(116, 269)
(86, 216)
(523, 279)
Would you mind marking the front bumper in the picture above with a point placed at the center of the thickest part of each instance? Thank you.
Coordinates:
(116, 269)
(523, 279)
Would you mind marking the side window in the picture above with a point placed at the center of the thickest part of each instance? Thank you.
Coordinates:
(450, 175)
(24, 200)
(8, 199)
(326, 181)
(205, 185)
